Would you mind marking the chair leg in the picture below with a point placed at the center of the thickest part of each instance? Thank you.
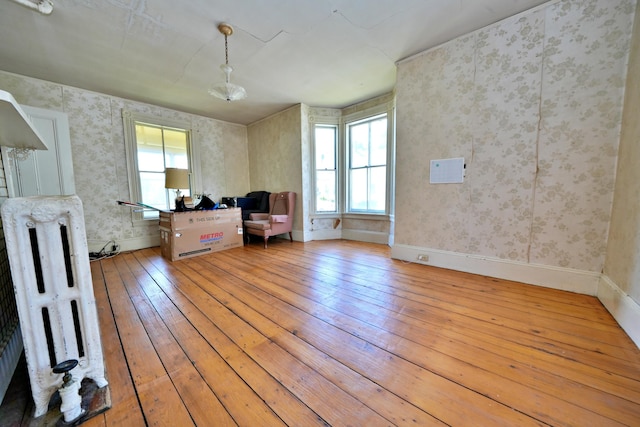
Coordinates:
(265, 241)
(290, 237)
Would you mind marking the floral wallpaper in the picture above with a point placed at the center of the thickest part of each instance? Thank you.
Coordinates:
(623, 253)
(275, 156)
(99, 155)
(223, 154)
(586, 50)
(533, 103)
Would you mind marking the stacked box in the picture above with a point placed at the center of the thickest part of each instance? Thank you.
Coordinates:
(188, 234)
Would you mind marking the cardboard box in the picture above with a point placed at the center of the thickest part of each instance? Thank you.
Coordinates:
(189, 234)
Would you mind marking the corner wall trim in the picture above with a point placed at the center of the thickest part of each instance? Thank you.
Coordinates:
(579, 281)
(622, 307)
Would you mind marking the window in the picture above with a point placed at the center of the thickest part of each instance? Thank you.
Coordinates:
(152, 146)
(353, 162)
(325, 144)
(367, 171)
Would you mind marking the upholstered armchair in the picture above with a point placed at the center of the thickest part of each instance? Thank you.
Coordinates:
(279, 220)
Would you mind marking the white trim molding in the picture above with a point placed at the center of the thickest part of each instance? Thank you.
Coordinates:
(130, 244)
(622, 307)
(366, 236)
(326, 234)
(566, 279)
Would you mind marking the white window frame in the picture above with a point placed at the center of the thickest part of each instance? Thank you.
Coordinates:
(129, 122)
(348, 167)
(338, 192)
(389, 110)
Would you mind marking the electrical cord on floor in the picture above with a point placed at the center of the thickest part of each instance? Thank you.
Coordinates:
(103, 253)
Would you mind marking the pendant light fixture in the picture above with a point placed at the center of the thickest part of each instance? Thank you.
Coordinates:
(227, 90)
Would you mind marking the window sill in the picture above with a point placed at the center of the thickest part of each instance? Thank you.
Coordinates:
(352, 215)
(328, 215)
(368, 216)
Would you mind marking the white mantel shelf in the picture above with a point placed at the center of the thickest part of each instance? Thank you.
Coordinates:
(16, 129)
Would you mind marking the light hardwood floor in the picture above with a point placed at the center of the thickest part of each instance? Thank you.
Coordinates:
(337, 333)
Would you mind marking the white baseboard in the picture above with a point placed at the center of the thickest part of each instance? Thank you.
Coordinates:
(9, 361)
(579, 281)
(622, 307)
(328, 234)
(366, 236)
(127, 244)
(358, 235)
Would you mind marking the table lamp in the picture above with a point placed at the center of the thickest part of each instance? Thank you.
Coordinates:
(176, 179)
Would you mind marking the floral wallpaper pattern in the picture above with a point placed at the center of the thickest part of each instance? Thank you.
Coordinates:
(99, 154)
(533, 103)
(275, 155)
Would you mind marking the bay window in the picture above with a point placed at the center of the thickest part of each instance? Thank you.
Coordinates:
(353, 162)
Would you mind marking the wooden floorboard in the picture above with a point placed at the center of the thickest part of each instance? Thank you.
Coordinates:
(337, 333)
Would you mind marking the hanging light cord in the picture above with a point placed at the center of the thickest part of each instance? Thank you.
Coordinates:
(226, 51)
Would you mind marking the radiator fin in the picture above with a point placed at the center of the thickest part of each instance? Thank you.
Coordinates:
(77, 327)
(46, 323)
(37, 265)
(67, 254)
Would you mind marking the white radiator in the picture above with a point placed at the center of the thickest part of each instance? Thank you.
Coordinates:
(47, 248)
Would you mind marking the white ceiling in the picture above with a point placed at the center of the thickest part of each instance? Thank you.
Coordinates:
(324, 53)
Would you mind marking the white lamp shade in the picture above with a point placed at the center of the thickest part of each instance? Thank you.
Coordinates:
(176, 178)
(227, 90)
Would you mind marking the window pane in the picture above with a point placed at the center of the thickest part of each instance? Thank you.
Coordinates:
(149, 145)
(147, 135)
(150, 159)
(359, 145)
(175, 148)
(175, 139)
(153, 192)
(325, 146)
(377, 189)
(358, 190)
(326, 191)
(378, 142)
